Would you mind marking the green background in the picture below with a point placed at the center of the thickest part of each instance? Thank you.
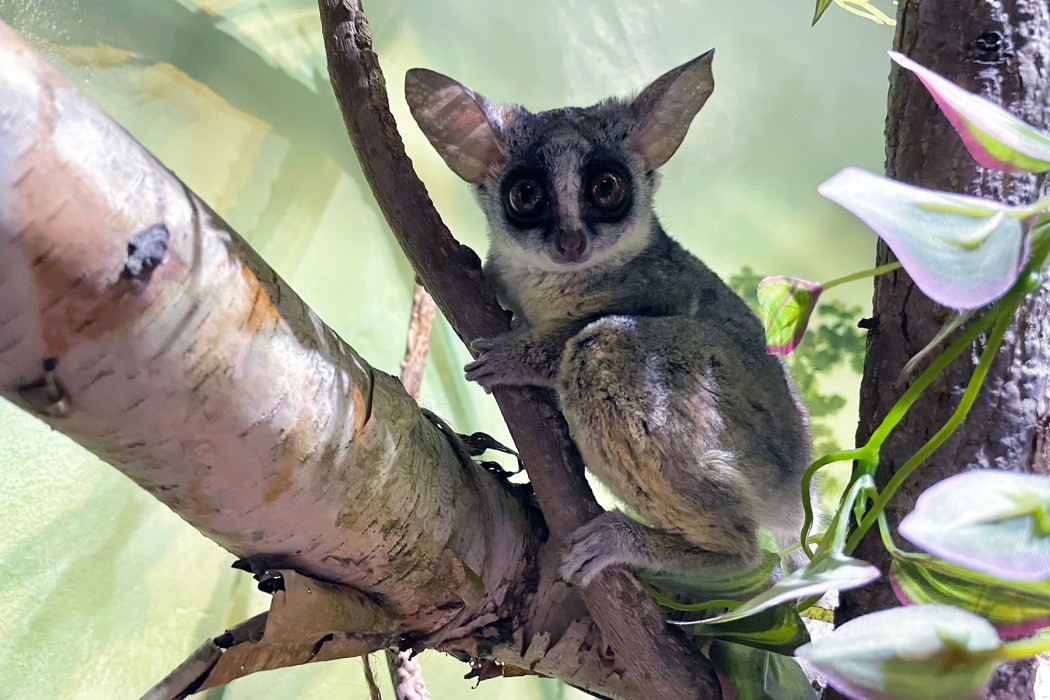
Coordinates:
(106, 590)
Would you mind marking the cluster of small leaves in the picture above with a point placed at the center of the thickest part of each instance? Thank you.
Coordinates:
(984, 574)
(833, 342)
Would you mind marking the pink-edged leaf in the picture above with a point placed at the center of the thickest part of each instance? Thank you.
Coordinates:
(991, 521)
(834, 572)
(995, 138)
(962, 252)
(786, 304)
(919, 652)
(1015, 608)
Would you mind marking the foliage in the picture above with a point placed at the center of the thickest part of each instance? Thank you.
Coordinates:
(758, 674)
(986, 534)
(998, 524)
(995, 138)
(962, 252)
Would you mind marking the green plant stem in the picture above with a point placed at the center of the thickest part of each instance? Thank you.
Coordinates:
(1003, 318)
(1025, 648)
(887, 539)
(839, 526)
(931, 373)
(812, 539)
(1001, 314)
(874, 272)
(807, 490)
(1041, 248)
(867, 456)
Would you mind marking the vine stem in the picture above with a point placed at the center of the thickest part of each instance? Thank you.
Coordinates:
(807, 491)
(867, 456)
(936, 368)
(1040, 206)
(1024, 648)
(874, 272)
(1002, 319)
(1007, 305)
(1001, 314)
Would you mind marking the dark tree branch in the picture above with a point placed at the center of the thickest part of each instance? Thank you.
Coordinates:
(659, 659)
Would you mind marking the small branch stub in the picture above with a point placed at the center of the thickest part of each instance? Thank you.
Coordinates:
(146, 250)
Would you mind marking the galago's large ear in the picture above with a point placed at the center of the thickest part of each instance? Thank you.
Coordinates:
(667, 107)
(458, 122)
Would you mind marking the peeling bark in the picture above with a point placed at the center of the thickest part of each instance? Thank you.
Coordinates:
(189, 365)
(1002, 51)
(418, 345)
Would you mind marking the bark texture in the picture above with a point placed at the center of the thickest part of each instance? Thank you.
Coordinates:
(655, 657)
(136, 322)
(1001, 50)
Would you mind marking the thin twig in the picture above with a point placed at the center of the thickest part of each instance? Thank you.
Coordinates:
(187, 677)
(370, 677)
(419, 325)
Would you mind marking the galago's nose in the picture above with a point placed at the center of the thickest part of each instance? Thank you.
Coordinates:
(570, 246)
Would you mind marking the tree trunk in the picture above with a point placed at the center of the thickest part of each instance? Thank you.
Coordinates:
(1000, 50)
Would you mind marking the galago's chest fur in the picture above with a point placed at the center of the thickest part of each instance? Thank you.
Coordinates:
(544, 299)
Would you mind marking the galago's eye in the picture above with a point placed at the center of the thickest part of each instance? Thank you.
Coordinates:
(607, 191)
(526, 198)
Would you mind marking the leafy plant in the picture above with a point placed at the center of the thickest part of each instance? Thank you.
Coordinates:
(987, 534)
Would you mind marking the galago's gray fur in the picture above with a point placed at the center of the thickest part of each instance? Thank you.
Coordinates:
(660, 369)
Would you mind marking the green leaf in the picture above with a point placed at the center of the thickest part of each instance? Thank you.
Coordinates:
(752, 674)
(991, 521)
(786, 304)
(962, 252)
(1015, 608)
(995, 138)
(736, 587)
(920, 652)
(822, 7)
(950, 326)
(834, 571)
(778, 629)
